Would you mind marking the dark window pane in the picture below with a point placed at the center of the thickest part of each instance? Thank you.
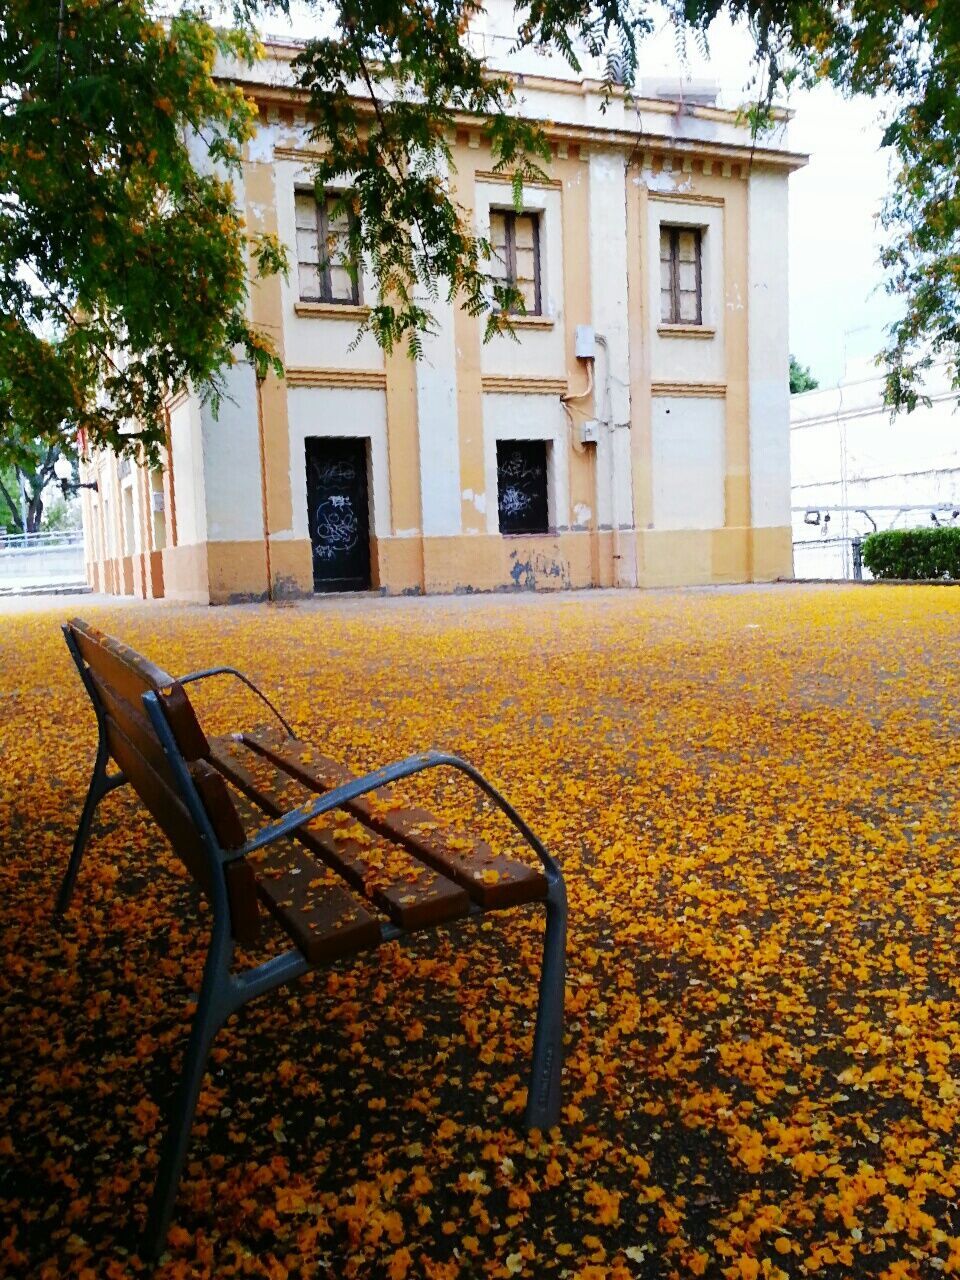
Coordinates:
(323, 250)
(515, 240)
(522, 486)
(681, 294)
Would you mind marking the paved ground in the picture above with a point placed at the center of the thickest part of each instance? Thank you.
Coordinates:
(754, 796)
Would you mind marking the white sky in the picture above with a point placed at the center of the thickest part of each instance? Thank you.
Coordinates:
(838, 309)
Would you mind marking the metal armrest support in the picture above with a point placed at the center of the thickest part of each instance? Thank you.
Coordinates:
(382, 777)
(238, 675)
(334, 799)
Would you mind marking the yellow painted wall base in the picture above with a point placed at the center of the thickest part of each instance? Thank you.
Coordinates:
(772, 554)
(185, 574)
(231, 572)
(291, 564)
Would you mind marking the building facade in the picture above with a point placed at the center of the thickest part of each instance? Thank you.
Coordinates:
(636, 432)
(856, 468)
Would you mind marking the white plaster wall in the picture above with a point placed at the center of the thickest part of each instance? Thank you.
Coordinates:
(186, 437)
(438, 424)
(608, 290)
(231, 462)
(316, 341)
(132, 540)
(527, 417)
(339, 411)
(847, 451)
(686, 359)
(768, 350)
(817, 455)
(535, 351)
(688, 462)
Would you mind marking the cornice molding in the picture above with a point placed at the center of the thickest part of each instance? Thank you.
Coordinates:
(685, 197)
(487, 175)
(356, 379)
(630, 140)
(520, 384)
(694, 390)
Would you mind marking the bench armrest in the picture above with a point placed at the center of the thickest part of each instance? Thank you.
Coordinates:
(237, 675)
(296, 818)
(339, 796)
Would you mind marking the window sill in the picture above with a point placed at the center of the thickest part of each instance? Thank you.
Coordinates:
(529, 322)
(332, 310)
(685, 331)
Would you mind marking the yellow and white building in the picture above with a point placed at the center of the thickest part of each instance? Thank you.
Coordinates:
(636, 432)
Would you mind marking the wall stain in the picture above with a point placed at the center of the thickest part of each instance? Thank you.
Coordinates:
(527, 573)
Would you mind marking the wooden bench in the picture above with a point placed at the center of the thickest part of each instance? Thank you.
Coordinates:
(263, 821)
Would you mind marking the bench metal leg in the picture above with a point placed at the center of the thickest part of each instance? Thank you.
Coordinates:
(218, 999)
(543, 1095)
(100, 784)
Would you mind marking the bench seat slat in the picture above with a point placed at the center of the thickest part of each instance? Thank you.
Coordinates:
(315, 909)
(411, 894)
(325, 923)
(492, 880)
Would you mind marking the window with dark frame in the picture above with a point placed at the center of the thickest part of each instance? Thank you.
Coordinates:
(323, 249)
(681, 275)
(522, 486)
(515, 239)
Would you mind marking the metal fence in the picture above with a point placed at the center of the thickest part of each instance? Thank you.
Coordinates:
(834, 557)
(44, 540)
(41, 561)
(820, 553)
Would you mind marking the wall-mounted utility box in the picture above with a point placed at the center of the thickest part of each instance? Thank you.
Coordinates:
(584, 343)
(590, 431)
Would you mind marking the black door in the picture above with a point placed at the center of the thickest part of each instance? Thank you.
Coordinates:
(338, 513)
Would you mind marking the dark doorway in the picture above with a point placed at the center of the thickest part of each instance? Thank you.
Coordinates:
(338, 513)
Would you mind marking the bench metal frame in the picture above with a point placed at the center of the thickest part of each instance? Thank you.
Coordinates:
(223, 992)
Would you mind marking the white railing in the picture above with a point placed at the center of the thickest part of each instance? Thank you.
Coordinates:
(45, 540)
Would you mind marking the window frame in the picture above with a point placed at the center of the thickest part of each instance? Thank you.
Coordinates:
(675, 230)
(507, 442)
(322, 265)
(510, 217)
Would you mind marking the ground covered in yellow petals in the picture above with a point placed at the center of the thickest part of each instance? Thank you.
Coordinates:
(755, 797)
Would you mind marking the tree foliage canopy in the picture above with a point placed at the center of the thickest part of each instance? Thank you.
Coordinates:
(801, 379)
(123, 267)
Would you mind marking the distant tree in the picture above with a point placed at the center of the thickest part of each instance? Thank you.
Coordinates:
(63, 514)
(801, 379)
(24, 480)
(10, 519)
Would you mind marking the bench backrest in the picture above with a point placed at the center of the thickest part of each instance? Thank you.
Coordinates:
(117, 677)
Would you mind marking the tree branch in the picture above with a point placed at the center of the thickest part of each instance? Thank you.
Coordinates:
(14, 512)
